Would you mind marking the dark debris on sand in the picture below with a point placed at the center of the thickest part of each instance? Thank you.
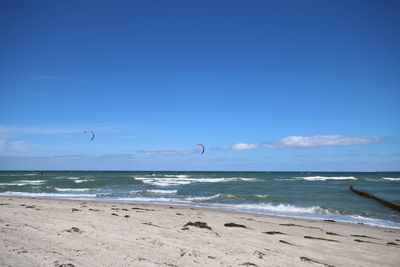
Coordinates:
(235, 225)
(94, 209)
(74, 230)
(363, 241)
(248, 264)
(259, 254)
(196, 224)
(56, 263)
(142, 209)
(331, 233)
(286, 242)
(314, 261)
(319, 238)
(151, 224)
(274, 233)
(364, 236)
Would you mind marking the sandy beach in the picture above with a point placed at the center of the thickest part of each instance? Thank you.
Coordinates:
(52, 232)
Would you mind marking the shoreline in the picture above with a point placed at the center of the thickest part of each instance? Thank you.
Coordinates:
(227, 208)
(52, 232)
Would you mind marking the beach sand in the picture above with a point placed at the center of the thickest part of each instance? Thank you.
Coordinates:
(52, 232)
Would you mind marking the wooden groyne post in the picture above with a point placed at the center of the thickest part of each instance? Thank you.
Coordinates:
(382, 201)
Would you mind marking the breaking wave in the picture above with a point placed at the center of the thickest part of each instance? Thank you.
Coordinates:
(161, 192)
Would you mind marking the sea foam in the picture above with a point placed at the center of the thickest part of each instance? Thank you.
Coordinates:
(150, 191)
(71, 189)
(50, 195)
(279, 208)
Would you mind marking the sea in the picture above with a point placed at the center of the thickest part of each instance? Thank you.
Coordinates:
(311, 195)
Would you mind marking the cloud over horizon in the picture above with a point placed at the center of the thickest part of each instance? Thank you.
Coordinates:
(307, 142)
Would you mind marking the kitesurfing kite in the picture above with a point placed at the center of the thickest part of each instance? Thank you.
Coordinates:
(89, 131)
(202, 152)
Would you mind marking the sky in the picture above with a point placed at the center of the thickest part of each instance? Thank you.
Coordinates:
(305, 85)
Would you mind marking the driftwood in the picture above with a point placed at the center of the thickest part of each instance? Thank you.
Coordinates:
(382, 201)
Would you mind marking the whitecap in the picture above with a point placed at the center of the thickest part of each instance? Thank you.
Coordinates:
(82, 181)
(391, 179)
(184, 179)
(8, 184)
(32, 181)
(324, 178)
(176, 176)
(23, 182)
(262, 196)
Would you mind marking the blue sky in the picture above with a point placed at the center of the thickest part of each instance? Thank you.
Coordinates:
(264, 85)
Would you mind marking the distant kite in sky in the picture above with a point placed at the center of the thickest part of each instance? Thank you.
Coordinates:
(202, 152)
(89, 131)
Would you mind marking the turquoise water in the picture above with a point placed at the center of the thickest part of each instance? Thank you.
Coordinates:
(315, 195)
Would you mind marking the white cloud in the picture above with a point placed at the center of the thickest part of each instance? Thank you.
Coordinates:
(308, 142)
(18, 145)
(244, 146)
(326, 140)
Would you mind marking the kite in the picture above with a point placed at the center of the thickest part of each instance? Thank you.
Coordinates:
(202, 152)
(89, 131)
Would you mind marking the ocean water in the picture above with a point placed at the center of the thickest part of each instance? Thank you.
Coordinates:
(314, 195)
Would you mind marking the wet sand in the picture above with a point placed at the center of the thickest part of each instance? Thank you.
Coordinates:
(66, 233)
